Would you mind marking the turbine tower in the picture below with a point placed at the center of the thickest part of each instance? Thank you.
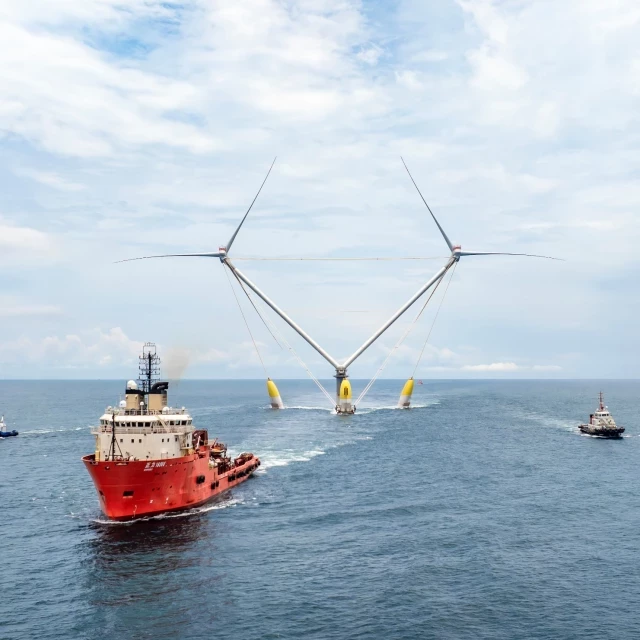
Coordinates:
(344, 403)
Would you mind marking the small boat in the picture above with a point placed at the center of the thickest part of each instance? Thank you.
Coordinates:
(601, 423)
(3, 430)
(419, 381)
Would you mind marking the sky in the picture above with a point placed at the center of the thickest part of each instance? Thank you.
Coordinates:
(134, 127)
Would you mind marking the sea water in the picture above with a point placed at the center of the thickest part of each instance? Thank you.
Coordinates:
(480, 513)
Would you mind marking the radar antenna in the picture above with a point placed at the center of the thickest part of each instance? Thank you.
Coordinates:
(149, 367)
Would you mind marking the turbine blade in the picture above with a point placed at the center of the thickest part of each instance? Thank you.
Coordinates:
(502, 253)
(444, 235)
(235, 233)
(175, 255)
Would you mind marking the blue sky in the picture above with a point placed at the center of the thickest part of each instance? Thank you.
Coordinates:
(136, 127)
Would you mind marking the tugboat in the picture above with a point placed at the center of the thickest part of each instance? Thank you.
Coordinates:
(150, 459)
(3, 430)
(601, 423)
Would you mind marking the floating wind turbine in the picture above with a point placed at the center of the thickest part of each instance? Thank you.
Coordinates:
(456, 254)
(344, 403)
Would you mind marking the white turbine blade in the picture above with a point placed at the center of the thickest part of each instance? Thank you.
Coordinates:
(235, 233)
(502, 253)
(444, 235)
(175, 255)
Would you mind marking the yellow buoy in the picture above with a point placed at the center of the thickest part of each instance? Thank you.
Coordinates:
(344, 401)
(274, 395)
(405, 397)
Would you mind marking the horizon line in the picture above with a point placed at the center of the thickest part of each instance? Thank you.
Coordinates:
(477, 379)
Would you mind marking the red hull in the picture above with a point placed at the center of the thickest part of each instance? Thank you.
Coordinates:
(143, 488)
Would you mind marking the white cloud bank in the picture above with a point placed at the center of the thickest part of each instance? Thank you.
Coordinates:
(94, 348)
(507, 367)
(141, 127)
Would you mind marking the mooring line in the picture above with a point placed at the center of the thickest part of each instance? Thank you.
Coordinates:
(247, 325)
(254, 306)
(397, 346)
(434, 320)
(295, 354)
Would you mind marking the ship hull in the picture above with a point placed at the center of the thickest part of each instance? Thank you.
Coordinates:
(141, 488)
(601, 433)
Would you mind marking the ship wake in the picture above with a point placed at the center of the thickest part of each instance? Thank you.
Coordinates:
(224, 504)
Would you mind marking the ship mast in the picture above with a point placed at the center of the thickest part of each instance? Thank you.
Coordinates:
(149, 367)
(114, 441)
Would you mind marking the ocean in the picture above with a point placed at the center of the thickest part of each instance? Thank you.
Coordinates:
(480, 513)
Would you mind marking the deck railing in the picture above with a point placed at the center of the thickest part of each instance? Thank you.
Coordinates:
(155, 428)
(170, 411)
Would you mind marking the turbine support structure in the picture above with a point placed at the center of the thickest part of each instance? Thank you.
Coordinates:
(344, 403)
(274, 395)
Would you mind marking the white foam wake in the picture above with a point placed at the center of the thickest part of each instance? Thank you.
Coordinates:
(270, 459)
(231, 502)
(301, 408)
(38, 432)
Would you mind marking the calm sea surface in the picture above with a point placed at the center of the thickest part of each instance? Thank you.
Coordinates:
(482, 513)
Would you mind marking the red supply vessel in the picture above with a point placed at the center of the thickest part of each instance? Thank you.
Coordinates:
(150, 459)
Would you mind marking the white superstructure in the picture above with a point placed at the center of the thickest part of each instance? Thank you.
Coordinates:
(603, 419)
(143, 426)
(144, 435)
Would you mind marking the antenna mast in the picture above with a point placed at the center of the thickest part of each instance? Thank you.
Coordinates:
(149, 367)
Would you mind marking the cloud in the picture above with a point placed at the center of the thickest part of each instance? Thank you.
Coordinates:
(150, 126)
(50, 179)
(13, 238)
(9, 309)
(94, 106)
(507, 367)
(96, 348)
(370, 55)
(494, 367)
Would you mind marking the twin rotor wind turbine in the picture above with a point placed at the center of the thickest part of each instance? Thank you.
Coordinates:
(344, 403)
